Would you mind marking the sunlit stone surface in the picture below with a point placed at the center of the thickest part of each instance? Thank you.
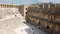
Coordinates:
(11, 22)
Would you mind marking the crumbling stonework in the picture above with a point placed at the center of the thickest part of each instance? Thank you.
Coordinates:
(47, 16)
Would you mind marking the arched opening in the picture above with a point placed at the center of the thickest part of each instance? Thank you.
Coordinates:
(26, 8)
(15, 15)
(39, 23)
(26, 12)
(47, 27)
(23, 21)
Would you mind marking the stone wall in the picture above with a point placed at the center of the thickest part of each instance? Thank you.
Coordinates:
(8, 6)
(46, 16)
(23, 9)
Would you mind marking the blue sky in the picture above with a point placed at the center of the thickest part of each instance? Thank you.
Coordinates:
(28, 1)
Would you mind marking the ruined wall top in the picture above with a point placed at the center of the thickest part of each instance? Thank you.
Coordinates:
(8, 6)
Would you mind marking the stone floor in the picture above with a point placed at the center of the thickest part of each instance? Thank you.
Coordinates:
(14, 25)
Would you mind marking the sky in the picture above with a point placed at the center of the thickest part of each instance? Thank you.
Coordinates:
(28, 1)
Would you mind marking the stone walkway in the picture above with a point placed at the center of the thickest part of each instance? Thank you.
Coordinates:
(13, 24)
(16, 26)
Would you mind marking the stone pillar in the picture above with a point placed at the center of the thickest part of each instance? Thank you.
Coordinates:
(1, 5)
(25, 10)
(43, 6)
(48, 5)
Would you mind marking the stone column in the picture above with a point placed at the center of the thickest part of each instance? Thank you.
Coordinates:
(43, 6)
(48, 5)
